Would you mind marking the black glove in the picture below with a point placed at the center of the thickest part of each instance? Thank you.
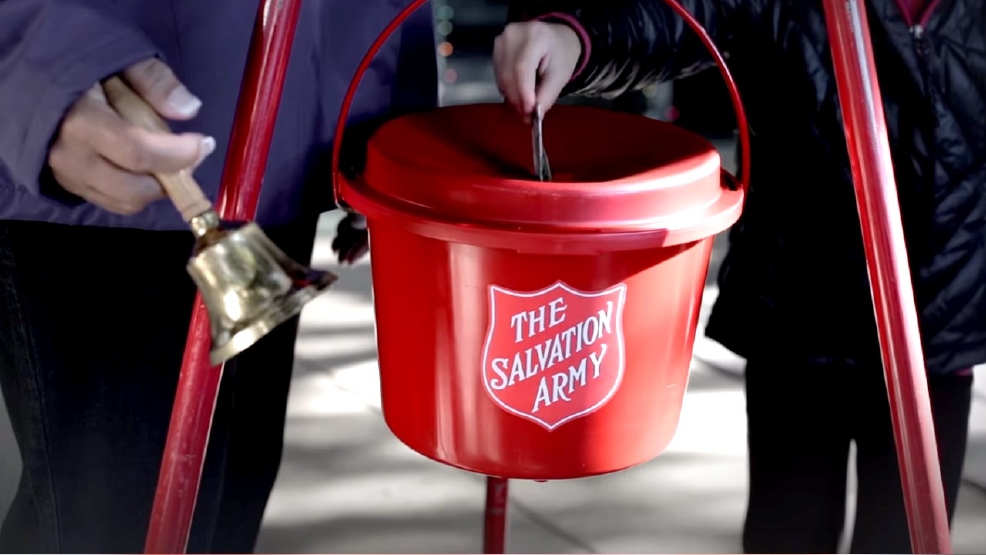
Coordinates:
(352, 240)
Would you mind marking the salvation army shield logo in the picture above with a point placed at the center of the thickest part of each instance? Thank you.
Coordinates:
(554, 355)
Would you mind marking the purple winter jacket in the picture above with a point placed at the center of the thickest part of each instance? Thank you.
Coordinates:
(52, 51)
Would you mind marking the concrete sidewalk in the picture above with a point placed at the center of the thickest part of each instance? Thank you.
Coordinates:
(348, 486)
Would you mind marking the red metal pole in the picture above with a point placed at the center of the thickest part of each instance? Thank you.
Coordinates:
(495, 516)
(890, 278)
(198, 384)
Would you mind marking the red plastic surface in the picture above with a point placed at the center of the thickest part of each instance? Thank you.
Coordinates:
(890, 277)
(433, 313)
(198, 384)
(464, 248)
(627, 182)
(612, 171)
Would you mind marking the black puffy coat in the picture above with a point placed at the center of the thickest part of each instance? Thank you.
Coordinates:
(795, 278)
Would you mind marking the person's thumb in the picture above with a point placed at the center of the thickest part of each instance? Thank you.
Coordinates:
(157, 84)
(550, 87)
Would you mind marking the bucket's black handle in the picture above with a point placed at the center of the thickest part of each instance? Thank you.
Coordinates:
(744, 131)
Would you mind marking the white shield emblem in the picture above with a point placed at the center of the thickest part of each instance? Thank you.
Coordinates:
(554, 355)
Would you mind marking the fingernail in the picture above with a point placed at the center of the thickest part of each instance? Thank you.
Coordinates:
(184, 102)
(207, 147)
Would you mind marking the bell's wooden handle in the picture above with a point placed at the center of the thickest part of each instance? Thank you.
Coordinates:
(181, 187)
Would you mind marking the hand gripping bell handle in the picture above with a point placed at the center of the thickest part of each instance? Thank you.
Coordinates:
(184, 192)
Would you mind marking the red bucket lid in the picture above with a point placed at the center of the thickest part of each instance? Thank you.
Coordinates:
(612, 171)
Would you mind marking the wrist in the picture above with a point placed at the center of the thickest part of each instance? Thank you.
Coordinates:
(581, 37)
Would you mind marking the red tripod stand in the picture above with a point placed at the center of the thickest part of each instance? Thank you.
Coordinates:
(879, 215)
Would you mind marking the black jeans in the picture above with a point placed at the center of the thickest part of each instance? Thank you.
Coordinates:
(93, 323)
(802, 418)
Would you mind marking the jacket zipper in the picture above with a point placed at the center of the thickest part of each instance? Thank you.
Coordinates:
(921, 50)
(925, 15)
(917, 29)
(920, 47)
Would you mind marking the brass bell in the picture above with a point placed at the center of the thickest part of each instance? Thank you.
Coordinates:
(247, 283)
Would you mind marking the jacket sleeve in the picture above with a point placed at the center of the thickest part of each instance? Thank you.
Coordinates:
(629, 44)
(51, 53)
(416, 80)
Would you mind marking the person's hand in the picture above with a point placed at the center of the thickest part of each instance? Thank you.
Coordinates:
(533, 62)
(105, 160)
(352, 240)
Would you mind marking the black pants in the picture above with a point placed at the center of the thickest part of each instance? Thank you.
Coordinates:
(802, 419)
(93, 325)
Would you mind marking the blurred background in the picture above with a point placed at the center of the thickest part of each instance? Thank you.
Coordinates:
(348, 486)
